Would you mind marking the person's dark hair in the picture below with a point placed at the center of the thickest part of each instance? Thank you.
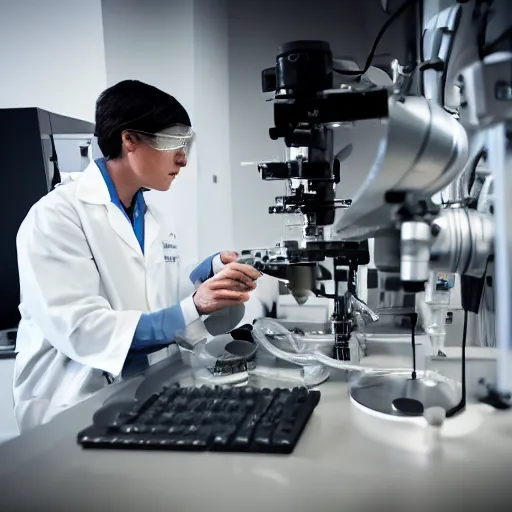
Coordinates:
(137, 106)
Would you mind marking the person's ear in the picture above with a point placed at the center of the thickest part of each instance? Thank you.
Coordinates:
(130, 141)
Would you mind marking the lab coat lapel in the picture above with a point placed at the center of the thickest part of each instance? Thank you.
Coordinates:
(151, 230)
(122, 227)
(91, 188)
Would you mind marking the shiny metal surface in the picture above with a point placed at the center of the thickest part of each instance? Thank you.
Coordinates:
(378, 392)
(360, 308)
(485, 110)
(487, 90)
(301, 280)
(386, 252)
(501, 161)
(414, 251)
(463, 243)
(423, 151)
(443, 23)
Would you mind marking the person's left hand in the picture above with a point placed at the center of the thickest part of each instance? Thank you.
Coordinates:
(228, 257)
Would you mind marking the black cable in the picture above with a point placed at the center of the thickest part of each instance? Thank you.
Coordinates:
(482, 154)
(482, 21)
(421, 52)
(381, 33)
(414, 321)
(462, 404)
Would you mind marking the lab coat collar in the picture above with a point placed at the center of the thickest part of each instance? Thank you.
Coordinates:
(92, 189)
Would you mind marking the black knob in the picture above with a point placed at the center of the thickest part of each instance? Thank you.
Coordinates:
(395, 197)
(435, 230)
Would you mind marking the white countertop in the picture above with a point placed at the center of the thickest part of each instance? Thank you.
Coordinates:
(345, 461)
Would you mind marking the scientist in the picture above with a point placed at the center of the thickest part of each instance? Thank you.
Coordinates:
(101, 279)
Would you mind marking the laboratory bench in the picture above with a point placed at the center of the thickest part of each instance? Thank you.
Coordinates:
(341, 463)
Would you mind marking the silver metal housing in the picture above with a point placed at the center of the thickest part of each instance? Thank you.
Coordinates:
(423, 150)
(415, 251)
(463, 242)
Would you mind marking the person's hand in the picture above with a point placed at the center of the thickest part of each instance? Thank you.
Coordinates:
(230, 287)
(228, 257)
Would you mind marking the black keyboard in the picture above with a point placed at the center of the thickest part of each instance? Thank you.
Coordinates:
(238, 419)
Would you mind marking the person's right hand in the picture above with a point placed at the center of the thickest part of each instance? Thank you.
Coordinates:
(231, 286)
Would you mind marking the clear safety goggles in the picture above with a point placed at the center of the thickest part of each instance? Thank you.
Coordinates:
(174, 138)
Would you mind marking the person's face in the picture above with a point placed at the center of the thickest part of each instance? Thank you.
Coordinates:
(153, 168)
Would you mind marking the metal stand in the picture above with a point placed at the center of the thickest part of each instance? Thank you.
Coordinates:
(342, 322)
(488, 108)
(497, 144)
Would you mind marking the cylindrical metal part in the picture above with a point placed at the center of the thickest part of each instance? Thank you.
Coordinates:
(415, 251)
(387, 251)
(341, 353)
(424, 149)
(463, 241)
(301, 281)
(296, 153)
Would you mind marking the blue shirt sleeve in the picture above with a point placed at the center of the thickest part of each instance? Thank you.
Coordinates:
(203, 271)
(157, 330)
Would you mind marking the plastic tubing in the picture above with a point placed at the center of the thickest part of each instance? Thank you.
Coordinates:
(262, 327)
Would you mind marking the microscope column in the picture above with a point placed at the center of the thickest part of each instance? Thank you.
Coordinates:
(341, 329)
(341, 320)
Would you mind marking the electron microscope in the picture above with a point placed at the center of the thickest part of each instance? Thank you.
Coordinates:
(433, 200)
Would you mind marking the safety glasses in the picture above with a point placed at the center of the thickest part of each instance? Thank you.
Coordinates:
(174, 138)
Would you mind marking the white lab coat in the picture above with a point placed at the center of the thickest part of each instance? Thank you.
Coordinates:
(84, 283)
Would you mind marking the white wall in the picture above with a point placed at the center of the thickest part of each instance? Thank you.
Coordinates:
(256, 29)
(211, 89)
(52, 55)
(153, 41)
(181, 47)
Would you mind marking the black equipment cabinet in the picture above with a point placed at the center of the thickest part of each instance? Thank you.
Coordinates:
(26, 174)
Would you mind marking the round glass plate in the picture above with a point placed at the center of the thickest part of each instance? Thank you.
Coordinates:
(396, 393)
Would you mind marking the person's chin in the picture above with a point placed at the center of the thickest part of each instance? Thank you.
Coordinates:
(163, 186)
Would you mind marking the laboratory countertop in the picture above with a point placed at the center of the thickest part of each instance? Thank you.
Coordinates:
(343, 462)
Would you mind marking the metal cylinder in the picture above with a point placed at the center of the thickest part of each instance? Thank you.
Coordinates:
(301, 281)
(463, 241)
(386, 252)
(414, 251)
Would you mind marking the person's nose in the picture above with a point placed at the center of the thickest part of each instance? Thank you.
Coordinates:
(181, 157)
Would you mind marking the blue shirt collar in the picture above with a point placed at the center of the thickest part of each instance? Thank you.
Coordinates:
(140, 204)
(114, 197)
